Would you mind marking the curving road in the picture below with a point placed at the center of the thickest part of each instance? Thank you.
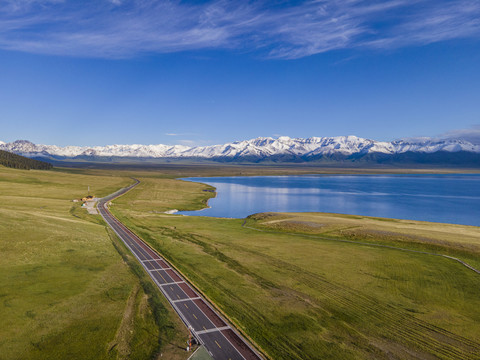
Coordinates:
(218, 337)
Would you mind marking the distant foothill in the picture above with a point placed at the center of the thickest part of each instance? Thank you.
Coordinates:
(21, 162)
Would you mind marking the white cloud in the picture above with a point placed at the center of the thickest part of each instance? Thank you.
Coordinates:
(180, 134)
(472, 135)
(190, 143)
(126, 28)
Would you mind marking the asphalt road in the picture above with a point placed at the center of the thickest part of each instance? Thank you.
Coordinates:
(218, 337)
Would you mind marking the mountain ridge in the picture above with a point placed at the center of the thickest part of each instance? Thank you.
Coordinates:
(283, 148)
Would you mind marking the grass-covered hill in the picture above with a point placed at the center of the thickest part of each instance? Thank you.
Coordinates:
(21, 162)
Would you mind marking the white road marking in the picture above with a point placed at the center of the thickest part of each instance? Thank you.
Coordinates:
(195, 298)
(213, 330)
(173, 283)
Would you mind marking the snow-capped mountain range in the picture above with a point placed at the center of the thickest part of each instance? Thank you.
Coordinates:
(259, 148)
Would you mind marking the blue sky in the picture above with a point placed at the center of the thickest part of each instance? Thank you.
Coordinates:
(100, 72)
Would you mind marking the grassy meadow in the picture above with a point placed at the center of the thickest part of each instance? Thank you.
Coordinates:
(298, 292)
(300, 286)
(68, 288)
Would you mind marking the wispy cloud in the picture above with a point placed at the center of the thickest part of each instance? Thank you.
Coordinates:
(190, 143)
(472, 135)
(180, 134)
(127, 28)
(195, 143)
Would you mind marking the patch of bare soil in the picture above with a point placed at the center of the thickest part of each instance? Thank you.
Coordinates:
(305, 223)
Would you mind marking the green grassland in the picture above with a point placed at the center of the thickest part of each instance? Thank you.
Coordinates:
(300, 286)
(293, 285)
(68, 288)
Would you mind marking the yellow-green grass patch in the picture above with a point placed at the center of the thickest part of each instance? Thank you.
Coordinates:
(65, 292)
(300, 296)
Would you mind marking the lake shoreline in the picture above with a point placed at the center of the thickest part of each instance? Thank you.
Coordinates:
(439, 198)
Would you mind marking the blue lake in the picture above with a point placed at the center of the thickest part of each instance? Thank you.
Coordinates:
(438, 198)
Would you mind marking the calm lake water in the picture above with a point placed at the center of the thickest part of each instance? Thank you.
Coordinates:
(438, 198)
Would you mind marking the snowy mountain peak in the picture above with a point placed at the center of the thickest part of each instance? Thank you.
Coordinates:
(259, 148)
